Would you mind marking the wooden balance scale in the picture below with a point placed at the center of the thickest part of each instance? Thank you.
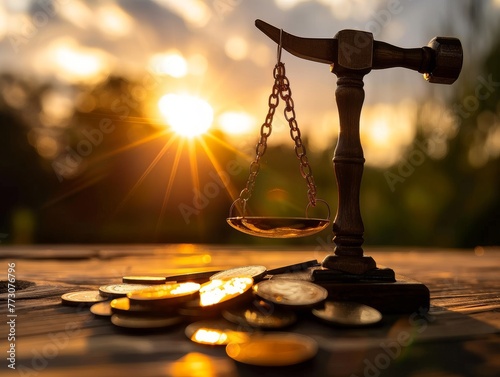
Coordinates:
(348, 274)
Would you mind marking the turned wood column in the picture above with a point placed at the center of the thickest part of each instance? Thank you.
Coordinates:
(354, 61)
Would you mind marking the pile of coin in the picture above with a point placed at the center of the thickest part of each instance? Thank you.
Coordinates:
(233, 308)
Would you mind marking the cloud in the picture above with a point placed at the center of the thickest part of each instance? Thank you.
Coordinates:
(195, 13)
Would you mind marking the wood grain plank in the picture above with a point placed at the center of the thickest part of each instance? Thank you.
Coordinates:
(464, 314)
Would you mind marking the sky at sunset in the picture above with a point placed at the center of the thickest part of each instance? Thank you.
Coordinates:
(211, 52)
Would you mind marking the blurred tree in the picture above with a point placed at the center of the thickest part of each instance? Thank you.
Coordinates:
(23, 182)
(116, 175)
(445, 191)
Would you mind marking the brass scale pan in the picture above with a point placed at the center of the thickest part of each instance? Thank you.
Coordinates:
(278, 227)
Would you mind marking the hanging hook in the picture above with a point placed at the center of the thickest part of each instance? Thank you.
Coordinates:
(280, 46)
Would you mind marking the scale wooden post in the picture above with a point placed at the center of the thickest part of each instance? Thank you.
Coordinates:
(353, 63)
(349, 275)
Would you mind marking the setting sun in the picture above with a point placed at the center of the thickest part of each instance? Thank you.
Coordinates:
(187, 115)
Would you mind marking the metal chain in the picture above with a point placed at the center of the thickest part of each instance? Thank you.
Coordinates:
(265, 132)
(281, 88)
(300, 149)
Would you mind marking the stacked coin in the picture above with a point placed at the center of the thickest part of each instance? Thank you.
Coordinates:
(231, 308)
(215, 332)
(153, 307)
(83, 298)
(120, 290)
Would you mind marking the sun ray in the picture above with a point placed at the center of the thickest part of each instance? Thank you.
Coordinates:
(195, 177)
(133, 144)
(175, 166)
(95, 160)
(231, 190)
(82, 186)
(230, 147)
(129, 146)
(146, 172)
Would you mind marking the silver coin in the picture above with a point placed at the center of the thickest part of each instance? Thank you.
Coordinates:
(82, 298)
(121, 290)
(351, 314)
(148, 280)
(261, 315)
(101, 309)
(273, 349)
(295, 293)
(256, 272)
(142, 322)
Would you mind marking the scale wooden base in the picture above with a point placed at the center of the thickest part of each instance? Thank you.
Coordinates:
(379, 288)
(403, 295)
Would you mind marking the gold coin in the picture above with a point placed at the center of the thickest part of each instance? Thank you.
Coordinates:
(273, 349)
(148, 280)
(141, 322)
(256, 272)
(214, 333)
(165, 291)
(195, 312)
(82, 298)
(350, 314)
(196, 277)
(217, 295)
(121, 290)
(296, 293)
(221, 290)
(167, 296)
(121, 305)
(101, 309)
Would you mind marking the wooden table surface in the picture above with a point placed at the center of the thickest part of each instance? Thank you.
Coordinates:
(459, 336)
